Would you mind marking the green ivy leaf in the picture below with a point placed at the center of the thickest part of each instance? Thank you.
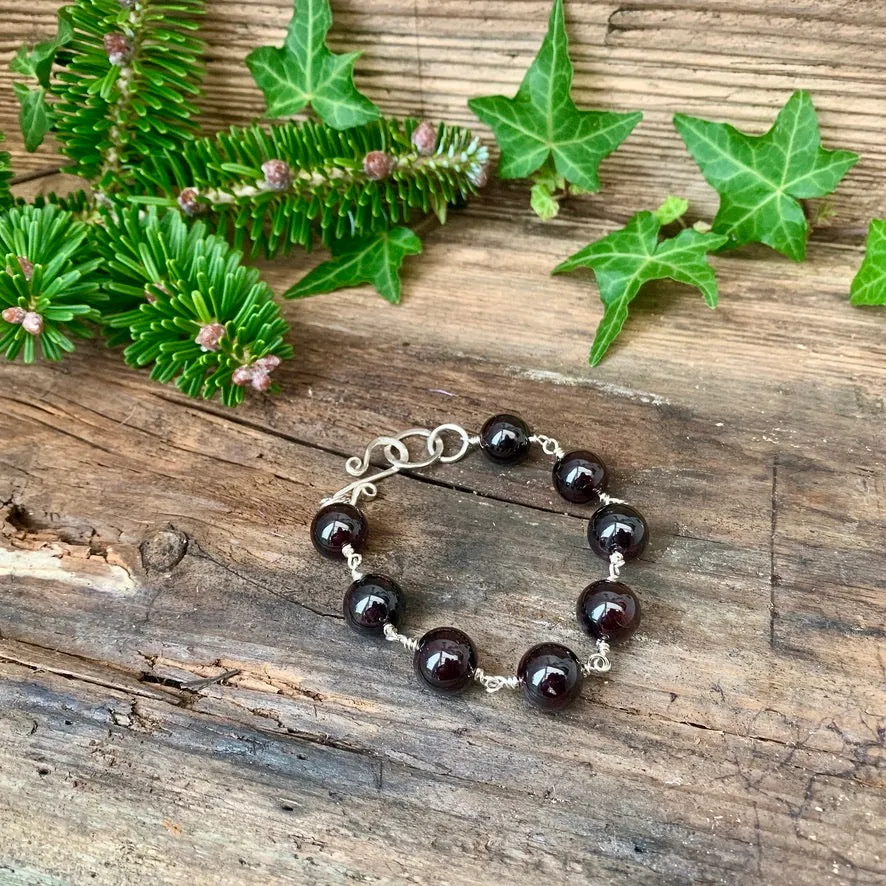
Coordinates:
(37, 61)
(672, 209)
(869, 285)
(762, 178)
(305, 72)
(375, 259)
(35, 115)
(626, 259)
(542, 121)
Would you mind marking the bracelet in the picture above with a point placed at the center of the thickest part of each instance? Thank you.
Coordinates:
(445, 658)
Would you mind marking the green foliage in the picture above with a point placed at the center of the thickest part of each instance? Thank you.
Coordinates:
(375, 259)
(169, 281)
(109, 116)
(5, 176)
(762, 178)
(50, 287)
(330, 191)
(626, 259)
(542, 122)
(672, 209)
(304, 72)
(869, 285)
(35, 63)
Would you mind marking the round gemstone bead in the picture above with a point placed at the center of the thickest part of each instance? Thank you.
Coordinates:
(504, 439)
(579, 476)
(550, 675)
(336, 525)
(620, 528)
(372, 602)
(608, 610)
(445, 660)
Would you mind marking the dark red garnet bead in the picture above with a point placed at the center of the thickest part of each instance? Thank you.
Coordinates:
(617, 527)
(445, 660)
(504, 439)
(372, 602)
(551, 676)
(336, 525)
(608, 610)
(579, 476)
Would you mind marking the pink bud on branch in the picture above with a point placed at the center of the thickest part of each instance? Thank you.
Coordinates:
(118, 48)
(32, 322)
(189, 202)
(378, 165)
(14, 315)
(210, 336)
(278, 175)
(257, 374)
(425, 138)
(27, 268)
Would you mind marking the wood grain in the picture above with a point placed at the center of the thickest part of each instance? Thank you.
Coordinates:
(148, 541)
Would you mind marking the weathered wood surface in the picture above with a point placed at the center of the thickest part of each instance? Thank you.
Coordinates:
(148, 541)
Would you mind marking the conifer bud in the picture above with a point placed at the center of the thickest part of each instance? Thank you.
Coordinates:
(26, 267)
(425, 138)
(189, 202)
(32, 322)
(479, 177)
(13, 315)
(261, 381)
(210, 336)
(118, 48)
(378, 165)
(241, 376)
(278, 175)
(266, 364)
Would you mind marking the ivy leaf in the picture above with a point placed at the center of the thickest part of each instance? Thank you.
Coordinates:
(305, 72)
(672, 209)
(762, 178)
(869, 285)
(35, 116)
(37, 61)
(542, 121)
(626, 259)
(375, 259)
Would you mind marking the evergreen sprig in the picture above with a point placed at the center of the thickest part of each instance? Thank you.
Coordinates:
(50, 287)
(131, 70)
(269, 189)
(191, 310)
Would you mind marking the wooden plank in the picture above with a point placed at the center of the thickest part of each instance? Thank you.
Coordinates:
(148, 541)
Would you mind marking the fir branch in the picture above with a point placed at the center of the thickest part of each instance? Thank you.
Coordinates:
(133, 67)
(274, 188)
(50, 287)
(189, 307)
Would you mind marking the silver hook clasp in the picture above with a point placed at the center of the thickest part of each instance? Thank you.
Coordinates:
(397, 455)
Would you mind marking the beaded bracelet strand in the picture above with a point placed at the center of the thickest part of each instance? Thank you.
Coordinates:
(445, 659)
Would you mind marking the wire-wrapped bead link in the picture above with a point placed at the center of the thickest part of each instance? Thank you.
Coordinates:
(547, 663)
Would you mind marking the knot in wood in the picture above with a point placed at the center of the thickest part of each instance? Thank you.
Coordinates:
(162, 550)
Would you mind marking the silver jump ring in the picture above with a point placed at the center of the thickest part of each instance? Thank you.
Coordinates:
(436, 435)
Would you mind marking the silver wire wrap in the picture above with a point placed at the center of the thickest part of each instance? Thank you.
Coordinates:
(548, 444)
(494, 683)
(354, 560)
(392, 634)
(599, 662)
(616, 561)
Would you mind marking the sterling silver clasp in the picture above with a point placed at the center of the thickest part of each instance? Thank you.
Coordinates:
(396, 453)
